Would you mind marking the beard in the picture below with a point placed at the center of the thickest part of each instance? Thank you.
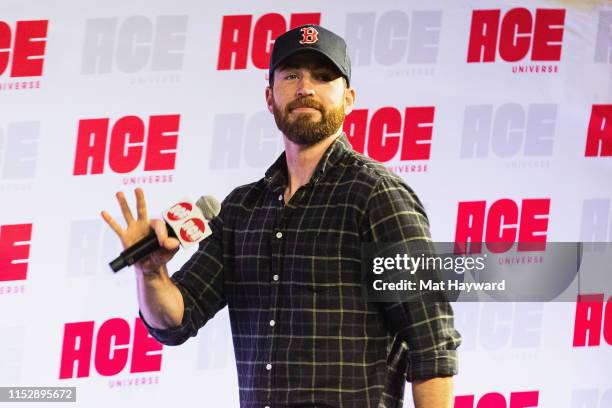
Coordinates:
(303, 129)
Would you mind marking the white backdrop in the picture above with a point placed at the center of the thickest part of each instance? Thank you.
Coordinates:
(496, 133)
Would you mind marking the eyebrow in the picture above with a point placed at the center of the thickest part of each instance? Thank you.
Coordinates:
(320, 70)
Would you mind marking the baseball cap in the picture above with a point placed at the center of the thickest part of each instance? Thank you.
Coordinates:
(312, 38)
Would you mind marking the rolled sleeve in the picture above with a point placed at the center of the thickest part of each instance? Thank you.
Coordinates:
(425, 324)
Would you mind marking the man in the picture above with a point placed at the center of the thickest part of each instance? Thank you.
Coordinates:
(285, 258)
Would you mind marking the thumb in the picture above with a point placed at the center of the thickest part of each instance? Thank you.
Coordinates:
(168, 243)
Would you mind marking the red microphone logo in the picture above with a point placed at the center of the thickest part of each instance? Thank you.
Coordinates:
(179, 211)
(192, 230)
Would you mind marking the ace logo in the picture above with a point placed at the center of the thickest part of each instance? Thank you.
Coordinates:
(233, 145)
(236, 39)
(19, 150)
(134, 44)
(502, 224)
(509, 130)
(393, 37)
(596, 225)
(516, 34)
(599, 134)
(522, 399)
(130, 141)
(593, 320)
(22, 48)
(497, 326)
(115, 346)
(389, 131)
(14, 251)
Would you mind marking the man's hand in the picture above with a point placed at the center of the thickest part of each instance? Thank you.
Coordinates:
(137, 229)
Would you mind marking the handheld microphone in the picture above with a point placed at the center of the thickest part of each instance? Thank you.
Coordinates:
(184, 221)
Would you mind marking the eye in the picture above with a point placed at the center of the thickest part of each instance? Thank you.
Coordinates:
(323, 76)
(290, 76)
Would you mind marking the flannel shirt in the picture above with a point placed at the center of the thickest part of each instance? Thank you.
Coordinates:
(291, 276)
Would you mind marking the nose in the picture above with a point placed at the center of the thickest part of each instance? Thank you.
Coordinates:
(305, 87)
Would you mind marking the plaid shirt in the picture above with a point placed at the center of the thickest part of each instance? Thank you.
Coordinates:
(291, 276)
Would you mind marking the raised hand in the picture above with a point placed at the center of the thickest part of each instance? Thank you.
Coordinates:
(138, 228)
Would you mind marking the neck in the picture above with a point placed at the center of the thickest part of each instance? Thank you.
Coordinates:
(302, 160)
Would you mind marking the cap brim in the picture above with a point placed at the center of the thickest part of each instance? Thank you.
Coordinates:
(307, 50)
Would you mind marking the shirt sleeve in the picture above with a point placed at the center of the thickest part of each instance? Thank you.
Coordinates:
(201, 283)
(425, 324)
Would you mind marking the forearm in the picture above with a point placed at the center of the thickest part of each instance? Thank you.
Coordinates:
(160, 301)
(433, 393)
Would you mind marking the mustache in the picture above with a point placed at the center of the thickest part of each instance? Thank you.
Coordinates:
(304, 103)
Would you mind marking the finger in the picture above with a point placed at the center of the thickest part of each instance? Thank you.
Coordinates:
(112, 223)
(125, 210)
(141, 205)
(171, 244)
(160, 230)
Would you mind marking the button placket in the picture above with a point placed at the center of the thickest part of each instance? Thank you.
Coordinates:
(277, 251)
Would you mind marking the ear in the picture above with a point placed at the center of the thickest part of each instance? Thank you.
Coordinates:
(269, 101)
(349, 100)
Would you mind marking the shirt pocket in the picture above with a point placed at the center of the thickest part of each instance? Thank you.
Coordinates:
(336, 264)
(324, 269)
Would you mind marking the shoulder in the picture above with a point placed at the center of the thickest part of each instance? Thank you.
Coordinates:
(245, 195)
(240, 200)
(383, 193)
(370, 174)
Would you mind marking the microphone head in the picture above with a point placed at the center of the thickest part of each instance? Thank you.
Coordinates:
(209, 205)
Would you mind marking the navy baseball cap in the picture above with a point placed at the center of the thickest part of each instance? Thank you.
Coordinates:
(312, 38)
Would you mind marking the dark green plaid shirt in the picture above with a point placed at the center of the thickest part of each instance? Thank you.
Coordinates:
(291, 276)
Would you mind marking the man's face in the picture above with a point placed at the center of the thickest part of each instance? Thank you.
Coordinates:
(308, 99)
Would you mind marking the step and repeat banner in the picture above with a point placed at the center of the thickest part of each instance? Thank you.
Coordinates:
(497, 113)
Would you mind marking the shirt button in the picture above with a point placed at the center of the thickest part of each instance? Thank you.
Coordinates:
(268, 367)
(279, 235)
(272, 322)
(267, 406)
(280, 197)
(275, 277)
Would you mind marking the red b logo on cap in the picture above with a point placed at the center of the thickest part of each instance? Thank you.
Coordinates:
(309, 35)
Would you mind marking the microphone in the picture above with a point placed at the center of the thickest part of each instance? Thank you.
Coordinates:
(184, 221)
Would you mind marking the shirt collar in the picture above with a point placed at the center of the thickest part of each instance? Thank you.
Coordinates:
(276, 175)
